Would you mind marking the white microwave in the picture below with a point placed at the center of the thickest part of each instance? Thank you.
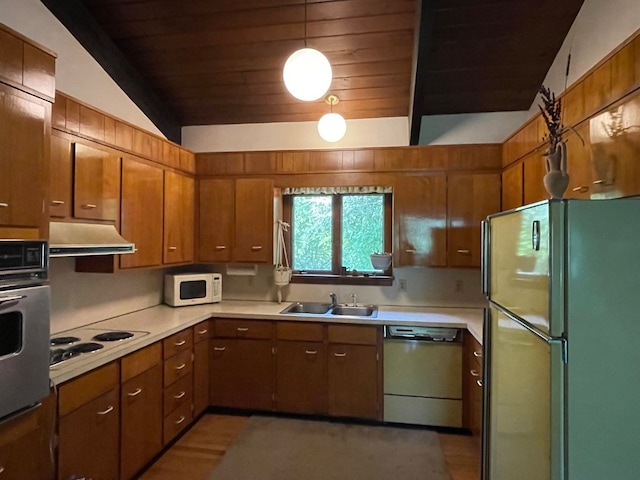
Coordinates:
(192, 289)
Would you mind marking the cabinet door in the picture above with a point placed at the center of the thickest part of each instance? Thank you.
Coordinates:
(141, 421)
(254, 221)
(534, 172)
(60, 178)
(24, 129)
(96, 191)
(512, 186)
(88, 444)
(470, 198)
(353, 381)
(200, 377)
(141, 213)
(420, 210)
(241, 373)
(301, 377)
(216, 217)
(178, 218)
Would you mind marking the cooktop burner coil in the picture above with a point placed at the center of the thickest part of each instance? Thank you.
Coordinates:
(85, 347)
(63, 340)
(112, 336)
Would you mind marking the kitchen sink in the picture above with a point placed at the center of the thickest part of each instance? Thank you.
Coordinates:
(357, 311)
(313, 308)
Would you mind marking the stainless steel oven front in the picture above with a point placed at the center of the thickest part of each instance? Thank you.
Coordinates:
(24, 325)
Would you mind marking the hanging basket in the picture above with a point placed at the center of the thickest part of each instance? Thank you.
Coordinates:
(282, 275)
(282, 271)
(380, 261)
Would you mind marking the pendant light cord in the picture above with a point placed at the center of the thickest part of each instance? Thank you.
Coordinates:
(305, 23)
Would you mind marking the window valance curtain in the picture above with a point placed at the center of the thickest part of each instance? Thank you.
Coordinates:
(334, 190)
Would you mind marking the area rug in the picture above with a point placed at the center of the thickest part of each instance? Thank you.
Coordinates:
(274, 448)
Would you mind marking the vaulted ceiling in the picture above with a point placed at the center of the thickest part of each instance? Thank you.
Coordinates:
(204, 62)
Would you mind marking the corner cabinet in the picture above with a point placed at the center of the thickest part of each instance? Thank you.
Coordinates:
(179, 197)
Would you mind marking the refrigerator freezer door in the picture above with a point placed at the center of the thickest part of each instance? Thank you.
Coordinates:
(524, 411)
(519, 263)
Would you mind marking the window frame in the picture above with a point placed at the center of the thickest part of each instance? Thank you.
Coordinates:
(334, 277)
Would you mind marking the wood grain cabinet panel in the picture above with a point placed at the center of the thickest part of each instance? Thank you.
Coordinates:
(61, 178)
(141, 213)
(39, 71)
(534, 171)
(179, 208)
(96, 194)
(253, 221)
(216, 220)
(201, 335)
(11, 54)
(470, 198)
(420, 210)
(512, 186)
(301, 377)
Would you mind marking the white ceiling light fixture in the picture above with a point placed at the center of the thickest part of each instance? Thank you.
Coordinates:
(307, 72)
(332, 126)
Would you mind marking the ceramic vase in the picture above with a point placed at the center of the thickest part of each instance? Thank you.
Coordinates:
(556, 179)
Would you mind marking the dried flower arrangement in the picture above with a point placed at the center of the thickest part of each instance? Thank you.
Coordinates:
(552, 115)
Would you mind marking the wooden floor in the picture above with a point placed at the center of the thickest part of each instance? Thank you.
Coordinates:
(195, 455)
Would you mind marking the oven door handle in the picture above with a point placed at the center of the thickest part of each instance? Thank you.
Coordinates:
(11, 298)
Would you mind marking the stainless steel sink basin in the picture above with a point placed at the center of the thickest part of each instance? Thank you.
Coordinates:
(358, 311)
(312, 308)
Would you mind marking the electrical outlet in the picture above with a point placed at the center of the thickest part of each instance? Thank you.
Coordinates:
(403, 284)
(459, 286)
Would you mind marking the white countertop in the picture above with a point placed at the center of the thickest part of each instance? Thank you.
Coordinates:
(161, 321)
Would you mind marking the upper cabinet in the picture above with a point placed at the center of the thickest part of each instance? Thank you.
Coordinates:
(60, 185)
(216, 220)
(420, 217)
(179, 196)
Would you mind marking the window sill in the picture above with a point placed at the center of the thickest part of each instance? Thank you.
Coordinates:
(324, 279)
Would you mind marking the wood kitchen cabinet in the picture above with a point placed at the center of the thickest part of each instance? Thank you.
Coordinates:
(473, 394)
(141, 409)
(512, 186)
(420, 218)
(470, 198)
(236, 219)
(178, 383)
(179, 197)
(354, 371)
(96, 187)
(61, 179)
(141, 219)
(201, 336)
(89, 425)
(242, 364)
(301, 378)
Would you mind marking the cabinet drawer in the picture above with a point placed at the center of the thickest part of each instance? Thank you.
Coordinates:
(176, 421)
(243, 329)
(354, 335)
(178, 342)
(310, 332)
(474, 351)
(140, 361)
(201, 331)
(177, 367)
(178, 393)
(88, 387)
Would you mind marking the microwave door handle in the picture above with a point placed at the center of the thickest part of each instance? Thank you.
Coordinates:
(11, 298)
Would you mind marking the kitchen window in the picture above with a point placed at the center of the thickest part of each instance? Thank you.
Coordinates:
(335, 230)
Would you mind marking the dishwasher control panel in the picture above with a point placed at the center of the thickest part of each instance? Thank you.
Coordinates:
(431, 334)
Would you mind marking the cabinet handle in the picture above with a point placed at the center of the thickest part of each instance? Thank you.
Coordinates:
(599, 182)
(242, 329)
(178, 422)
(172, 249)
(88, 206)
(180, 367)
(479, 382)
(57, 202)
(339, 354)
(410, 250)
(180, 343)
(256, 248)
(202, 332)
(220, 247)
(477, 354)
(474, 373)
(310, 352)
(137, 391)
(219, 349)
(464, 252)
(108, 410)
(1, 469)
(581, 189)
(180, 395)
(4, 205)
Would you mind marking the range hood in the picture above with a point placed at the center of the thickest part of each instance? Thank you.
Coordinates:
(85, 239)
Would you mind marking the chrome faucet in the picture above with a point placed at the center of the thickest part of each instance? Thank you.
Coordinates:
(334, 299)
(353, 299)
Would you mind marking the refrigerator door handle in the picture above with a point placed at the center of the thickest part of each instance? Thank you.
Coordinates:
(535, 235)
(484, 261)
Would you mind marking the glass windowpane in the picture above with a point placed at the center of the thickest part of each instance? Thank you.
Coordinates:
(312, 232)
(362, 230)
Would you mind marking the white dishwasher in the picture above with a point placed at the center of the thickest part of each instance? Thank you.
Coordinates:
(423, 375)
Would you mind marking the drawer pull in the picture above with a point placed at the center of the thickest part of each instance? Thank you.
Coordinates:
(172, 249)
(180, 420)
(57, 202)
(477, 354)
(410, 250)
(243, 329)
(108, 410)
(581, 189)
(339, 354)
(180, 343)
(180, 367)
(310, 352)
(599, 182)
(180, 395)
(256, 248)
(220, 247)
(464, 252)
(202, 332)
(479, 382)
(1, 469)
(4, 205)
(137, 391)
(88, 206)
(474, 373)
(219, 349)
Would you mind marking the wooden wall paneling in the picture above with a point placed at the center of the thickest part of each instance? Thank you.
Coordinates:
(363, 160)
(348, 160)
(170, 155)
(261, 162)
(294, 162)
(385, 159)
(622, 71)
(534, 171)
(156, 148)
(39, 71)
(512, 186)
(597, 88)
(325, 161)
(11, 49)
(141, 143)
(220, 163)
(59, 113)
(436, 157)
(124, 136)
(636, 59)
(109, 130)
(91, 123)
(579, 163)
(73, 116)
(187, 161)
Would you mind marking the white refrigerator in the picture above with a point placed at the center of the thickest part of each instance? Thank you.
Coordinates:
(562, 341)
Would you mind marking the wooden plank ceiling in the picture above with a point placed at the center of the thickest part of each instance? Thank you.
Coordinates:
(220, 61)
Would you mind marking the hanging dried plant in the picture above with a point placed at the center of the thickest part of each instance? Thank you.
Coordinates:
(552, 115)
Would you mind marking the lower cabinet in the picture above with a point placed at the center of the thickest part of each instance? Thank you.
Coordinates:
(201, 335)
(473, 375)
(178, 383)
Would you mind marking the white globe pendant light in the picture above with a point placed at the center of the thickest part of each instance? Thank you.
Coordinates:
(332, 126)
(307, 74)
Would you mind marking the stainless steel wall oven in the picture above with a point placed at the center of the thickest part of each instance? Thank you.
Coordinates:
(24, 325)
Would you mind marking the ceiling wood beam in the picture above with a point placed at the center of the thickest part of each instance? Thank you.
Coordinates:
(81, 24)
